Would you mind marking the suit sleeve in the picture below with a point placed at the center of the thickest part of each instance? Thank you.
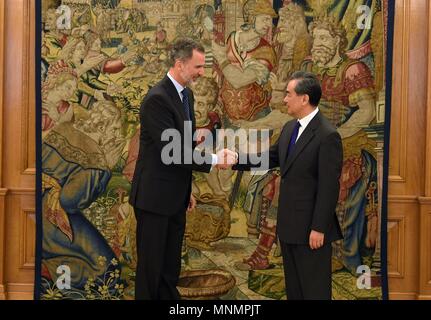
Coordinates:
(330, 163)
(156, 119)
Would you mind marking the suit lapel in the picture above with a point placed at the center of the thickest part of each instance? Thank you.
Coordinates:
(173, 93)
(284, 140)
(302, 142)
(178, 104)
(192, 109)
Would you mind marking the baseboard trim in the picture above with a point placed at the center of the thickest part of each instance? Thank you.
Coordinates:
(20, 291)
(403, 295)
(3, 295)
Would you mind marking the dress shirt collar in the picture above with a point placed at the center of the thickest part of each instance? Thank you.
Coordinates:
(307, 119)
(179, 87)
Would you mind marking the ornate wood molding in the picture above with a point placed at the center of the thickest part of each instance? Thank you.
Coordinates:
(402, 199)
(2, 81)
(20, 291)
(425, 202)
(28, 87)
(3, 192)
(21, 191)
(424, 250)
(428, 115)
(400, 87)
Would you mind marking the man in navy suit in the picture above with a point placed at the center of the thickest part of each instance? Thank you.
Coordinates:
(161, 189)
(310, 156)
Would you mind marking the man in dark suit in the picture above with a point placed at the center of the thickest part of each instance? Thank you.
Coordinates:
(310, 155)
(162, 181)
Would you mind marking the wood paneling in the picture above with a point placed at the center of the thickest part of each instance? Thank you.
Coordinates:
(20, 94)
(408, 228)
(425, 202)
(403, 246)
(27, 245)
(2, 190)
(20, 240)
(428, 113)
(409, 92)
(2, 79)
(425, 249)
(3, 291)
(409, 205)
(28, 115)
(398, 146)
(18, 146)
(396, 246)
(20, 291)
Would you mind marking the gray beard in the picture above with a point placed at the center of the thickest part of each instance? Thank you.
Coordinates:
(188, 81)
(322, 56)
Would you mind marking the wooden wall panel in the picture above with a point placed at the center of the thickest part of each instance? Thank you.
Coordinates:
(18, 169)
(408, 145)
(409, 84)
(2, 190)
(425, 202)
(425, 249)
(27, 245)
(398, 145)
(28, 115)
(20, 243)
(396, 246)
(409, 227)
(403, 247)
(3, 291)
(20, 94)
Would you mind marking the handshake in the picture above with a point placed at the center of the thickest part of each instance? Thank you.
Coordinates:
(226, 159)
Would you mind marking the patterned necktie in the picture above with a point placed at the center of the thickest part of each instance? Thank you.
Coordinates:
(293, 137)
(186, 104)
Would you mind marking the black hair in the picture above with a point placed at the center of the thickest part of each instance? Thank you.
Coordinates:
(307, 83)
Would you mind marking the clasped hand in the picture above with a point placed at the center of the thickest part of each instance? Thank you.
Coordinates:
(226, 159)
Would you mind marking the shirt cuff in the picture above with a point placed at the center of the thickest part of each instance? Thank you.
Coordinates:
(214, 159)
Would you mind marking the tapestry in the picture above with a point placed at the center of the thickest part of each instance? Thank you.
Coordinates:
(97, 59)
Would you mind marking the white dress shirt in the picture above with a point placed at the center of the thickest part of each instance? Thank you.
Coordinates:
(180, 88)
(305, 121)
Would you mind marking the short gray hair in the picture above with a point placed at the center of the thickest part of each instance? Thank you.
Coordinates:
(182, 49)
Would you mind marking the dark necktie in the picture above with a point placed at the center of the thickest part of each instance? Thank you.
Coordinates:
(293, 138)
(186, 104)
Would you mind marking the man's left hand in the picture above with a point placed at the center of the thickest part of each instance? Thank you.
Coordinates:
(316, 239)
(192, 203)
